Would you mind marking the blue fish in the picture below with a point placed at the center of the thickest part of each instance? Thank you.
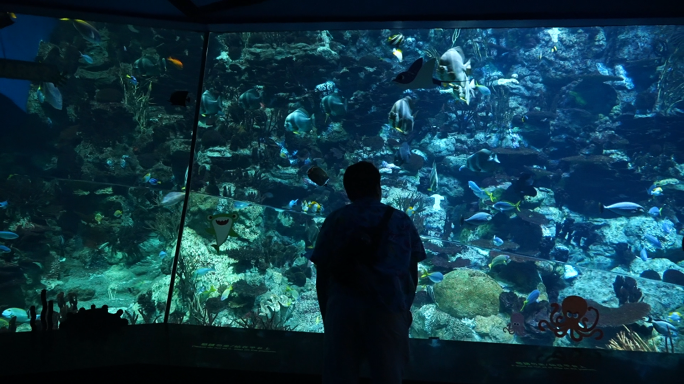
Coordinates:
(153, 181)
(86, 58)
(531, 298)
(162, 254)
(479, 192)
(132, 79)
(4, 249)
(435, 277)
(506, 206)
(643, 254)
(240, 204)
(204, 271)
(497, 241)
(7, 235)
(654, 241)
(292, 203)
(3, 204)
(654, 211)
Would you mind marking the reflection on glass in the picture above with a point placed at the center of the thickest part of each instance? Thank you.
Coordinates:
(96, 136)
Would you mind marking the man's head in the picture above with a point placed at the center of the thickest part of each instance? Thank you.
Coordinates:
(362, 180)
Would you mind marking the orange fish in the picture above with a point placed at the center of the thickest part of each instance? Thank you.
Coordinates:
(176, 63)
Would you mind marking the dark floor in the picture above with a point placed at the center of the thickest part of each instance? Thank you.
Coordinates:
(176, 353)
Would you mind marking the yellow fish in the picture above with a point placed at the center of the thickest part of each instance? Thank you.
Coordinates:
(176, 63)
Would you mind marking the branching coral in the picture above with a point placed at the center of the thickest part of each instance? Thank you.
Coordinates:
(629, 340)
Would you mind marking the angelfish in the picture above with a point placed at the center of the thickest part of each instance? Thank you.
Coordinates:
(222, 227)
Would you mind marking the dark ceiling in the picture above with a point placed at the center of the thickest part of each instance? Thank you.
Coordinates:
(349, 14)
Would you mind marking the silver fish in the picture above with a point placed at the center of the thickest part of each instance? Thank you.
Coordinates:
(299, 120)
(477, 219)
(623, 208)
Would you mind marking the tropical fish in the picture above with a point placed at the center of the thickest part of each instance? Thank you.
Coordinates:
(292, 203)
(655, 211)
(209, 104)
(524, 185)
(318, 175)
(452, 67)
(153, 181)
(396, 40)
(435, 277)
(132, 80)
(501, 259)
(21, 315)
(204, 271)
(483, 90)
(86, 58)
(3, 204)
(506, 206)
(226, 292)
(299, 121)
(434, 178)
(531, 298)
(4, 249)
(147, 178)
(675, 316)
(90, 33)
(162, 254)
(418, 76)
(481, 161)
(326, 88)
(334, 105)
(400, 116)
(663, 327)
(179, 98)
(172, 198)
(654, 241)
(251, 99)
(52, 95)
(222, 227)
(654, 190)
(6, 235)
(118, 213)
(404, 152)
(624, 208)
(240, 204)
(398, 54)
(311, 206)
(176, 63)
(497, 241)
(410, 211)
(479, 192)
(6, 19)
(477, 219)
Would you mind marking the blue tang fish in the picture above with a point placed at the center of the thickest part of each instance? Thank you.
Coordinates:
(531, 298)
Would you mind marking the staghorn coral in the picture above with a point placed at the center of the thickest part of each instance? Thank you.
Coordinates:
(629, 340)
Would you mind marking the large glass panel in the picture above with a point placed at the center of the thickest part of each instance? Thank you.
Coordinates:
(538, 164)
(95, 137)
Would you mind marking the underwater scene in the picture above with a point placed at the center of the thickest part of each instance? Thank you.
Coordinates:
(541, 167)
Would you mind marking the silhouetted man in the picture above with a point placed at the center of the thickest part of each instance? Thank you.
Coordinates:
(366, 257)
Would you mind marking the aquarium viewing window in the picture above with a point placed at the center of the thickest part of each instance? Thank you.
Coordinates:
(182, 177)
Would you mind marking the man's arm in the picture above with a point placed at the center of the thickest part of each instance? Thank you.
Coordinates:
(417, 254)
(320, 258)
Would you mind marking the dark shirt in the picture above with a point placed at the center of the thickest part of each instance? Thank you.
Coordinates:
(399, 253)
